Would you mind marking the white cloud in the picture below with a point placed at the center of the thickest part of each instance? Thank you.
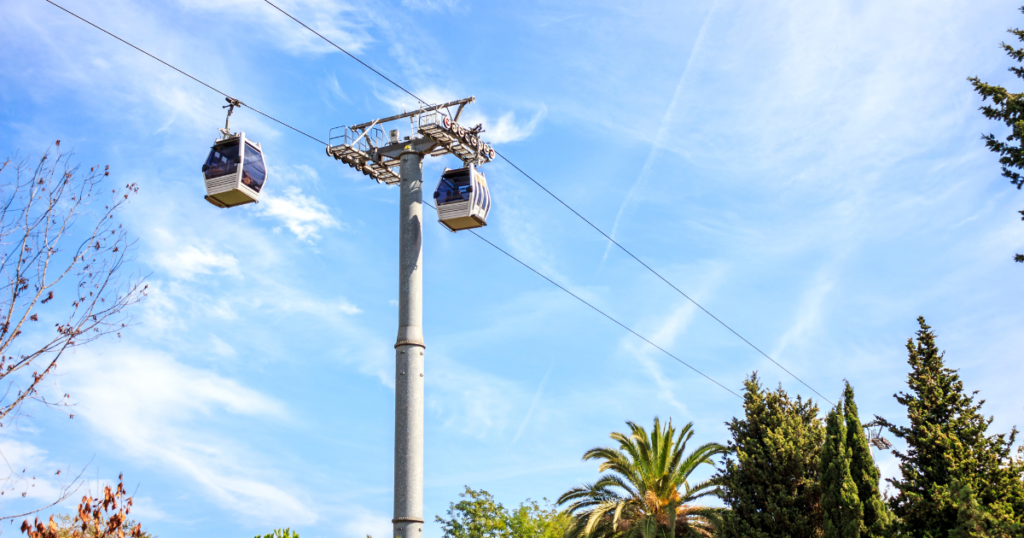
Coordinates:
(145, 509)
(222, 348)
(362, 522)
(155, 409)
(533, 405)
(187, 261)
(497, 131)
(653, 360)
(809, 315)
(304, 215)
(430, 5)
(505, 128)
(341, 22)
(473, 402)
(25, 468)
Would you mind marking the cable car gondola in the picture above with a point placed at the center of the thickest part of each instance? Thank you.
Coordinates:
(462, 198)
(235, 170)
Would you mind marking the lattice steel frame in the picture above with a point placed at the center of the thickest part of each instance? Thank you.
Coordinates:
(365, 148)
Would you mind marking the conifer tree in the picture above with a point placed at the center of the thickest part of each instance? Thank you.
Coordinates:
(770, 478)
(842, 514)
(948, 450)
(864, 472)
(1007, 108)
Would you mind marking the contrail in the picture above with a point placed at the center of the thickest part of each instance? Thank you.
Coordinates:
(663, 128)
(533, 404)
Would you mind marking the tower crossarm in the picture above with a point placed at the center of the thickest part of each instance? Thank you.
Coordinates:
(380, 170)
(433, 129)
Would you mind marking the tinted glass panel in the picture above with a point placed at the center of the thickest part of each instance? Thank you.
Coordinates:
(223, 160)
(455, 186)
(254, 172)
(487, 200)
(483, 194)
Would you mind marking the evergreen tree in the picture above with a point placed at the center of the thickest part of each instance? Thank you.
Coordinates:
(973, 521)
(842, 514)
(864, 472)
(1007, 108)
(770, 477)
(948, 450)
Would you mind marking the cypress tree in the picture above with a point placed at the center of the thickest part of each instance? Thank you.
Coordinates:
(864, 472)
(948, 450)
(842, 514)
(770, 477)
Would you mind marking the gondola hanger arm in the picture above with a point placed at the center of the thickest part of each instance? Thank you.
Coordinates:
(232, 103)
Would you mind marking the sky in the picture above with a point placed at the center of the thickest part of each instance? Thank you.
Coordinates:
(810, 172)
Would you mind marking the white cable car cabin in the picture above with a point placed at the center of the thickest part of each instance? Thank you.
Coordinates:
(462, 198)
(227, 183)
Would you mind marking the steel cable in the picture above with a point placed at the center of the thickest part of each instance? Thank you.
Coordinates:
(524, 264)
(58, 6)
(577, 213)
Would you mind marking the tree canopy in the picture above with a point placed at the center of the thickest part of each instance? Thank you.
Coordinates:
(478, 515)
(648, 491)
(1007, 108)
(951, 461)
(770, 477)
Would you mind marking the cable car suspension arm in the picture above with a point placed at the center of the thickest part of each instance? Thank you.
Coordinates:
(232, 103)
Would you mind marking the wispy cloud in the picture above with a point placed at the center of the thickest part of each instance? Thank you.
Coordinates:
(189, 260)
(430, 5)
(533, 405)
(27, 468)
(160, 411)
(654, 361)
(361, 522)
(809, 315)
(342, 22)
(472, 402)
(302, 214)
(666, 122)
(503, 129)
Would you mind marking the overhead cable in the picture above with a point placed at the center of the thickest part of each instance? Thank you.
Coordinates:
(577, 213)
(182, 72)
(524, 264)
(350, 55)
(602, 313)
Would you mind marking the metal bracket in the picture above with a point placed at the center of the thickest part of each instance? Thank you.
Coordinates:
(232, 103)
(438, 134)
(415, 145)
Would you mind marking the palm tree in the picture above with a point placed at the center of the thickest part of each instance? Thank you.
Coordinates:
(647, 493)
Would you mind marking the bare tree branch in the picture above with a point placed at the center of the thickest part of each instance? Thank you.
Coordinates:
(62, 263)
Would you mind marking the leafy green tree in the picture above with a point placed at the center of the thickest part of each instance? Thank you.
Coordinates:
(531, 520)
(864, 472)
(1007, 108)
(478, 515)
(770, 477)
(647, 492)
(948, 450)
(842, 513)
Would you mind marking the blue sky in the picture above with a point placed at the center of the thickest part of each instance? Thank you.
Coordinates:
(811, 172)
